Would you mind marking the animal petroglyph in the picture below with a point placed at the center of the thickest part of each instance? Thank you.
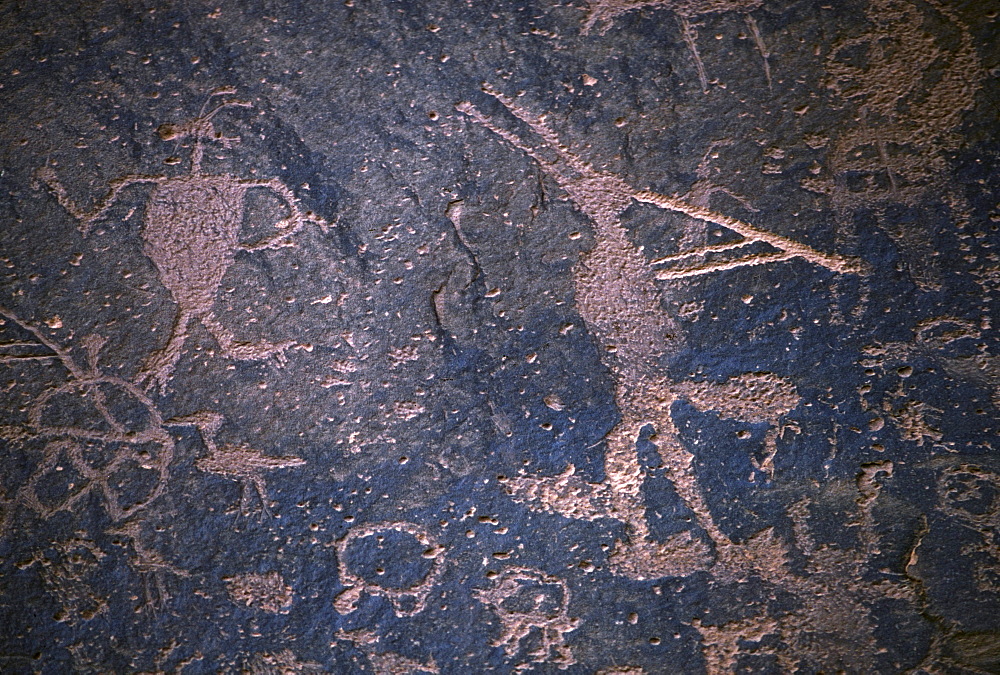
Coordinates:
(191, 232)
(533, 608)
(385, 663)
(617, 296)
(604, 12)
(405, 601)
(267, 592)
(239, 462)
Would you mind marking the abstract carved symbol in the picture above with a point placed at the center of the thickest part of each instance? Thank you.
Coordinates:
(66, 568)
(148, 563)
(534, 605)
(191, 232)
(267, 592)
(406, 600)
(284, 662)
(901, 126)
(102, 452)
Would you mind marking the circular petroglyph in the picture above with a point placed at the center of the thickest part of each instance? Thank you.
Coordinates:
(398, 560)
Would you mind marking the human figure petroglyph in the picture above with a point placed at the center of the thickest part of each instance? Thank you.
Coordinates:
(191, 231)
(617, 297)
(405, 601)
(530, 601)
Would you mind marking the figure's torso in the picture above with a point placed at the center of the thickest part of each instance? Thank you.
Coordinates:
(191, 229)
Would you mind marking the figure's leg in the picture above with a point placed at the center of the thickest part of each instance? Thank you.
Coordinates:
(159, 366)
(244, 351)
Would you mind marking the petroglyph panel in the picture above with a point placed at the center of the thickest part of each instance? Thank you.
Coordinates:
(616, 336)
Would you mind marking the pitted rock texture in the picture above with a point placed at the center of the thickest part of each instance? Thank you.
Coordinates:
(601, 337)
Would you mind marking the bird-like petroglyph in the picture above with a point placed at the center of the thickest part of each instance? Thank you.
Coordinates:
(533, 608)
(191, 230)
(617, 297)
(406, 600)
(239, 462)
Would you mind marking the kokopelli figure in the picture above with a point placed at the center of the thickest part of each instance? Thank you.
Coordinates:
(191, 232)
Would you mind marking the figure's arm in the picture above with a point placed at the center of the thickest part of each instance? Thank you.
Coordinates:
(296, 220)
(788, 248)
(88, 218)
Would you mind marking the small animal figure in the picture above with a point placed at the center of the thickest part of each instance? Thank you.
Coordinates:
(191, 232)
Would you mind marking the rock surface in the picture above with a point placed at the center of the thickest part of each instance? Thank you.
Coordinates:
(611, 336)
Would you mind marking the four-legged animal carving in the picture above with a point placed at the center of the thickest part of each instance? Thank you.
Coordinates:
(191, 232)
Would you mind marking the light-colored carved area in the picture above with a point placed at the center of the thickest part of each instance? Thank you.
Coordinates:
(894, 152)
(533, 608)
(267, 592)
(616, 296)
(405, 601)
(384, 662)
(832, 624)
(191, 233)
(952, 343)
(66, 570)
(751, 397)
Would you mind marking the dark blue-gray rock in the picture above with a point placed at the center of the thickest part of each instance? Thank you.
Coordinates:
(613, 337)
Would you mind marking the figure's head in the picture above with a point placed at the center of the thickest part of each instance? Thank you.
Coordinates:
(200, 128)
